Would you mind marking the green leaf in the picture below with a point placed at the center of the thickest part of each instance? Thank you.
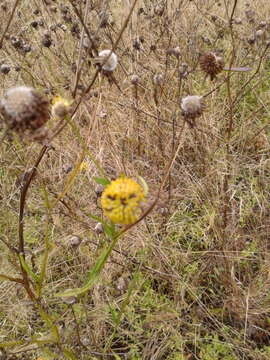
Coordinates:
(102, 181)
(117, 357)
(114, 314)
(69, 354)
(109, 230)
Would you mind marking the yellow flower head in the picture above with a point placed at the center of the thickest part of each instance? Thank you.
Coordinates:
(121, 199)
(61, 107)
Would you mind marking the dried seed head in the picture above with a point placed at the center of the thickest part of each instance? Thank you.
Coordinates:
(192, 107)
(251, 40)
(26, 48)
(46, 41)
(86, 341)
(105, 19)
(159, 10)
(24, 109)
(211, 64)
(137, 44)
(62, 27)
(4, 69)
(4, 6)
(134, 79)
(53, 9)
(174, 51)
(262, 24)
(158, 79)
(34, 24)
(99, 228)
(86, 43)
(110, 59)
(67, 168)
(69, 300)
(183, 70)
(91, 43)
(259, 34)
(74, 241)
(250, 15)
(237, 21)
(16, 42)
(206, 40)
(99, 190)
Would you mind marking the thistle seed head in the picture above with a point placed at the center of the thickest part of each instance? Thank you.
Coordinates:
(24, 109)
(158, 79)
(192, 107)
(4, 69)
(211, 64)
(259, 34)
(111, 62)
(174, 51)
(99, 228)
(135, 79)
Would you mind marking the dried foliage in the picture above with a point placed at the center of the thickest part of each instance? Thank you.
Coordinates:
(183, 112)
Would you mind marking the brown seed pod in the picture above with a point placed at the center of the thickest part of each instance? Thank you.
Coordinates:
(24, 109)
(211, 64)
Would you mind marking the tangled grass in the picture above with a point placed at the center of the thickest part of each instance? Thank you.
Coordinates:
(190, 279)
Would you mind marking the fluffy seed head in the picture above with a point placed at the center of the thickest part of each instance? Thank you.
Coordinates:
(121, 199)
(192, 106)
(211, 64)
(111, 63)
(24, 109)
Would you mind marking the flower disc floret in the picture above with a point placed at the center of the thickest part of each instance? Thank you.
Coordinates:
(121, 200)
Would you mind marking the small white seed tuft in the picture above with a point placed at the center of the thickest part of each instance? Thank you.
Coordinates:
(108, 60)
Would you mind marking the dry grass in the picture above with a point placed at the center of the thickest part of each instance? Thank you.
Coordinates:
(191, 280)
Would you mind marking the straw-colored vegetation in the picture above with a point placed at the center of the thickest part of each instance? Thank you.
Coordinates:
(190, 278)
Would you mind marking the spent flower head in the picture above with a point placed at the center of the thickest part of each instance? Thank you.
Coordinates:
(212, 64)
(24, 109)
(121, 200)
(192, 107)
(107, 59)
(60, 107)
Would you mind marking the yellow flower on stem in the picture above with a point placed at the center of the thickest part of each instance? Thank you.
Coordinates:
(121, 200)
